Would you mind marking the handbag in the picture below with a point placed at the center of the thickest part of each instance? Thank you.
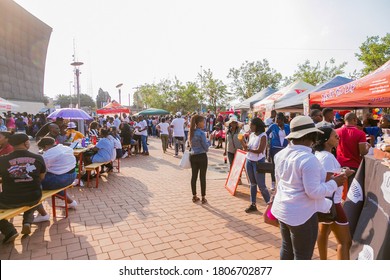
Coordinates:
(329, 217)
(264, 167)
(268, 217)
(185, 162)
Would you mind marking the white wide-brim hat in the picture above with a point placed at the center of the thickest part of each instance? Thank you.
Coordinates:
(232, 119)
(300, 126)
(71, 125)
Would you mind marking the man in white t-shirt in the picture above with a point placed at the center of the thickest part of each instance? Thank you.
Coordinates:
(162, 127)
(178, 132)
(141, 128)
(271, 119)
(117, 122)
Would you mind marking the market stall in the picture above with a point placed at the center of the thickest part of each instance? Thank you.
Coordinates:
(368, 208)
(113, 108)
(372, 91)
(290, 91)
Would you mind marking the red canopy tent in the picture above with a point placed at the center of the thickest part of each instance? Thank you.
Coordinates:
(113, 108)
(372, 90)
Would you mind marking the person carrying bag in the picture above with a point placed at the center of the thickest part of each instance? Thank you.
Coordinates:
(199, 161)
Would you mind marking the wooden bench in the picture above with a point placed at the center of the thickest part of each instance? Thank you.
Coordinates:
(94, 166)
(10, 213)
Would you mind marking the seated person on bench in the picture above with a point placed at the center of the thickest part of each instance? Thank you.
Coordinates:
(22, 173)
(60, 163)
(103, 150)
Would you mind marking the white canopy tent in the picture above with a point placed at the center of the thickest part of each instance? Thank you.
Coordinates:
(296, 100)
(282, 97)
(5, 105)
(247, 103)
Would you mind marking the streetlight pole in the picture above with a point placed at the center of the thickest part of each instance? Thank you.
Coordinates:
(76, 65)
(70, 91)
(118, 86)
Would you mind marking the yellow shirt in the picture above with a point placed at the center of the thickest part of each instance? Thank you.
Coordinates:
(74, 135)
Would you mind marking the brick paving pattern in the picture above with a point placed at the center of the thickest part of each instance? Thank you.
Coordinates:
(145, 212)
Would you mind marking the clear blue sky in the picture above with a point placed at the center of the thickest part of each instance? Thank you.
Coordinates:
(136, 42)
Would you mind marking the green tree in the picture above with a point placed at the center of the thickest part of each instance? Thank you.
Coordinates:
(316, 74)
(374, 52)
(102, 98)
(64, 101)
(87, 101)
(146, 96)
(214, 90)
(252, 77)
(45, 100)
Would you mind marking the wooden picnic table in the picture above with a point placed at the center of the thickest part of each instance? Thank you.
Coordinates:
(78, 153)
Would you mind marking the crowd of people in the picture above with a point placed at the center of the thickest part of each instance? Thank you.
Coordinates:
(313, 157)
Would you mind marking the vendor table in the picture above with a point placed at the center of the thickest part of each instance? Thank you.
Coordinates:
(371, 236)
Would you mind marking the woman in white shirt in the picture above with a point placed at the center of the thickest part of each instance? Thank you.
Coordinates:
(340, 228)
(255, 148)
(60, 163)
(301, 191)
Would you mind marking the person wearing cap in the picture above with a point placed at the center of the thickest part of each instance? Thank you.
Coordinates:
(232, 142)
(5, 147)
(256, 154)
(72, 134)
(60, 163)
(301, 191)
(277, 132)
(22, 173)
(178, 133)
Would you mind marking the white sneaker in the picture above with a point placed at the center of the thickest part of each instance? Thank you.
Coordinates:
(72, 205)
(125, 155)
(40, 218)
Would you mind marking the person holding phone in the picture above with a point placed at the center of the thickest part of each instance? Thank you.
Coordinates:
(326, 142)
(255, 148)
(301, 191)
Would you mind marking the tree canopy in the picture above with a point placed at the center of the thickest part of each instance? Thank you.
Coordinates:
(64, 100)
(316, 74)
(374, 52)
(252, 77)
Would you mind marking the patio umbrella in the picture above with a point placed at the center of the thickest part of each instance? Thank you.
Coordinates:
(70, 113)
(113, 108)
(153, 111)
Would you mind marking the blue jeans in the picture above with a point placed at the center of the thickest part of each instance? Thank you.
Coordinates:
(53, 181)
(144, 145)
(298, 241)
(256, 179)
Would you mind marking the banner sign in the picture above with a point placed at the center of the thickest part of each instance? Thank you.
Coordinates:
(235, 171)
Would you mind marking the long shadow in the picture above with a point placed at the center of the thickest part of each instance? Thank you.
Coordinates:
(232, 222)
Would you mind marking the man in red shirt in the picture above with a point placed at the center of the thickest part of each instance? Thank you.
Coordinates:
(352, 145)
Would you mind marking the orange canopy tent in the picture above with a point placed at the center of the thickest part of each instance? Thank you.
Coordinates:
(113, 108)
(372, 90)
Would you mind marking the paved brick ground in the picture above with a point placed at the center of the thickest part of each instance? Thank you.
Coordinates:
(146, 212)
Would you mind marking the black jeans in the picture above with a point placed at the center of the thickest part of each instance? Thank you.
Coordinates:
(199, 162)
(231, 158)
(28, 217)
(272, 153)
(298, 241)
